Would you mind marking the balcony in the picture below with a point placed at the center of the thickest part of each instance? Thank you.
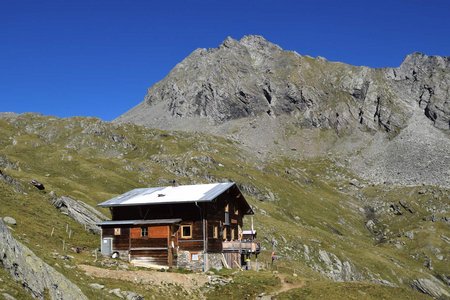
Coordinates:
(241, 246)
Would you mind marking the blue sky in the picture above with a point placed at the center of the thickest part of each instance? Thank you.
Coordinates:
(97, 58)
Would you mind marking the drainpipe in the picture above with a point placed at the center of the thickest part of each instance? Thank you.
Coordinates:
(204, 238)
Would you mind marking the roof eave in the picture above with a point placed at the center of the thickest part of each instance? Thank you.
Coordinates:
(158, 203)
(139, 222)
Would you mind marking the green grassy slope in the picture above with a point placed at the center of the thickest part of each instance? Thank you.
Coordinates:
(299, 205)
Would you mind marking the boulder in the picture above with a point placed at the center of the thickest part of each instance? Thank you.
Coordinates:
(409, 235)
(9, 220)
(405, 205)
(80, 212)
(97, 286)
(132, 295)
(355, 183)
(371, 226)
(430, 287)
(7, 296)
(117, 292)
(396, 209)
(37, 185)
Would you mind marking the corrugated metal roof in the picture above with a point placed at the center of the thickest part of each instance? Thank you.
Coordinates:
(139, 222)
(169, 194)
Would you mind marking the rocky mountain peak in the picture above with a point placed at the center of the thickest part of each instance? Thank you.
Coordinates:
(253, 81)
(253, 77)
(229, 42)
(251, 42)
(420, 59)
(257, 42)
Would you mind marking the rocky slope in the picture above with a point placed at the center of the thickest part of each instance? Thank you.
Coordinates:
(324, 223)
(272, 100)
(35, 275)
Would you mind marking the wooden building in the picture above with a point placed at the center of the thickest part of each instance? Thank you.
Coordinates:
(192, 226)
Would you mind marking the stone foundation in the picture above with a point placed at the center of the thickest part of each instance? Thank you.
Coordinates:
(194, 260)
(214, 261)
(190, 260)
(123, 254)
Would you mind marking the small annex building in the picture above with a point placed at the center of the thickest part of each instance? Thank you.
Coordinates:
(196, 227)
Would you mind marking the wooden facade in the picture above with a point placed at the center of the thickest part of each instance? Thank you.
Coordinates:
(175, 234)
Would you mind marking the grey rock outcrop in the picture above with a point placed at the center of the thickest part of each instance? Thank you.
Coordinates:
(337, 270)
(128, 295)
(430, 287)
(5, 163)
(35, 275)
(7, 296)
(17, 186)
(80, 212)
(427, 79)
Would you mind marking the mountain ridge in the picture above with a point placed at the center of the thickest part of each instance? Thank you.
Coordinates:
(253, 55)
(272, 101)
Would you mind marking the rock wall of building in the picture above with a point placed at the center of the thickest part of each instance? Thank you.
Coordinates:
(195, 260)
(214, 261)
(190, 260)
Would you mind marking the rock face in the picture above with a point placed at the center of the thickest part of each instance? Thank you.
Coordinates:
(431, 287)
(80, 212)
(252, 77)
(264, 96)
(336, 269)
(36, 276)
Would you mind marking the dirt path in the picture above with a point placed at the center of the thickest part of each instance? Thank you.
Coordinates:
(286, 285)
(187, 281)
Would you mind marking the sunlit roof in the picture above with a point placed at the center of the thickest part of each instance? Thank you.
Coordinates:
(169, 194)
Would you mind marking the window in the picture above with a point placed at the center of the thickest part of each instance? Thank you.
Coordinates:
(144, 231)
(232, 234)
(186, 231)
(215, 231)
(226, 220)
(236, 210)
(116, 231)
(224, 235)
(227, 208)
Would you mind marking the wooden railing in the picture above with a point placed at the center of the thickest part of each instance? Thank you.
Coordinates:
(242, 246)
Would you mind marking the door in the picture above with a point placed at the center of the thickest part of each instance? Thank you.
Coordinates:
(106, 247)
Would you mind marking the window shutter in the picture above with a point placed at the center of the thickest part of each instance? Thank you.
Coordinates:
(135, 233)
(158, 231)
